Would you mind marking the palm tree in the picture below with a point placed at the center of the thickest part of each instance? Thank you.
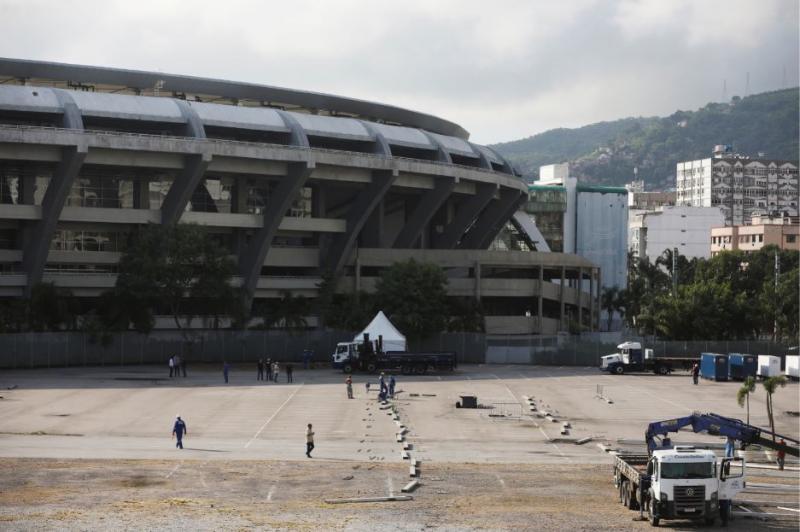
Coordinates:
(609, 301)
(770, 386)
(743, 395)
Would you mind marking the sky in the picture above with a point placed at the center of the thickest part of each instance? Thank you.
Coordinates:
(503, 70)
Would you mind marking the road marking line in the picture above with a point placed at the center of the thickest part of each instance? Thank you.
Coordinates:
(174, 469)
(389, 485)
(273, 416)
(271, 491)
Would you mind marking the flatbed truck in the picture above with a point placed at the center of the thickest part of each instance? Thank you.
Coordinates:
(679, 483)
(632, 358)
(369, 357)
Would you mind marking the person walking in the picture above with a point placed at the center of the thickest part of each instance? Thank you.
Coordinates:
(309, 440)
(268, 368)
(289, 370)
(349, 382)
(391, 386)
(171, 366)
(695, 373)
(176, 361)
(781, 459)
(730, 447)
(276, 370)
(178, 430)
(260, 376)
(225, 369)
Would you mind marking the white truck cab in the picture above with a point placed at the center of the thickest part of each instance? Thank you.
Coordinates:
(689, 483)
(344, 352)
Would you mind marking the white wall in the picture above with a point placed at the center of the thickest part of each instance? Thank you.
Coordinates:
(685, 228)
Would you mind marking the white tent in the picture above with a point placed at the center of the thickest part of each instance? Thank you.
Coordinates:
(393, 340)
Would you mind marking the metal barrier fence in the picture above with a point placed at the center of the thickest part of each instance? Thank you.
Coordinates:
(65, 349)
(577, 351)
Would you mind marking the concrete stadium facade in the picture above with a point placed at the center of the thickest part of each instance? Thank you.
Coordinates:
(292, 183)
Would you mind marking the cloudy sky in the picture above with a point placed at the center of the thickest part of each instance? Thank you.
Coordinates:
(503, 70)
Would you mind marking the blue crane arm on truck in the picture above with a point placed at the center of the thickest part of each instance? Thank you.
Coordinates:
(717, 425)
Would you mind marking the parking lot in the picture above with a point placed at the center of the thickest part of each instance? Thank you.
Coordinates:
(122, 417)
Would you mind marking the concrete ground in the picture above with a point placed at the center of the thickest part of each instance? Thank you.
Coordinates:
(127, 412)
(120, 419)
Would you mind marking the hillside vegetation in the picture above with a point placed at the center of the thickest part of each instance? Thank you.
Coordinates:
(607, 152)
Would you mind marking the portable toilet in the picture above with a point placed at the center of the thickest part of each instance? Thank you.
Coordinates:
(741, 366)
(793, 366)
(769, 366)
(714, 366)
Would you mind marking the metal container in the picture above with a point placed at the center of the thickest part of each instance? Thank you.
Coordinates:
(714, 366)
(741, 366)
(769, 366)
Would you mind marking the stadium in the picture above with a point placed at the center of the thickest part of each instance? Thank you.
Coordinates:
(294, 184)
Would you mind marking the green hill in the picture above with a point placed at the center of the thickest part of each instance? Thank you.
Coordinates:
(606, 152)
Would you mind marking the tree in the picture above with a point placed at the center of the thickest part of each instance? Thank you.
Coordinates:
(743, 395)
(167, 267)
(466, 315)
(51, 308)
(771, 384)
(612, 300)
(414, 295)
(289, 312)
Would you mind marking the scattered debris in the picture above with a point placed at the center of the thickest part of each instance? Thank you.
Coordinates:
(394, 498)
(348, 477)
(587, 439)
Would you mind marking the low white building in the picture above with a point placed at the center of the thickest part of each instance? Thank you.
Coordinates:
(684, 228)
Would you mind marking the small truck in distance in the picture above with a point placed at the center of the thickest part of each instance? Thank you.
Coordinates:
(632, 358)
(369, 356)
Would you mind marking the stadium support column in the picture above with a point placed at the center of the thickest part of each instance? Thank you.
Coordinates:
(465, 215)
(194, 168)
(561, 299)
(580, 299)
(431, 201)
(252, 257)
(37, 244)
(360, 210)
(591, 300)
(539, 302)
(491, 220)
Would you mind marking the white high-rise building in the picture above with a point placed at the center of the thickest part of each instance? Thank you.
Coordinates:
(683, 228)
(742, 187)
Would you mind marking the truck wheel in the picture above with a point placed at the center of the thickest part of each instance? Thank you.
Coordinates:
(621, 491)
(405, 370)
(651, 514)
(619, 370)
(709, 521)
(626, 495)
(372, 367)
(420, 370)
(662, 370)
(348, 368)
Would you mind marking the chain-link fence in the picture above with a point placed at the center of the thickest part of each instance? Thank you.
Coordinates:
(579, 351)
(65, 349)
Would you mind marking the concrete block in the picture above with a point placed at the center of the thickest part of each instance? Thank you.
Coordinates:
(400, 438)
(411, 486)
(404, 455)
(402, 431)
(370, 499)
(412, 471)
(566, 425)
(406, 446)
(584, 440)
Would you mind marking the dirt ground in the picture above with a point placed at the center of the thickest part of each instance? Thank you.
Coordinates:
(55, 494)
